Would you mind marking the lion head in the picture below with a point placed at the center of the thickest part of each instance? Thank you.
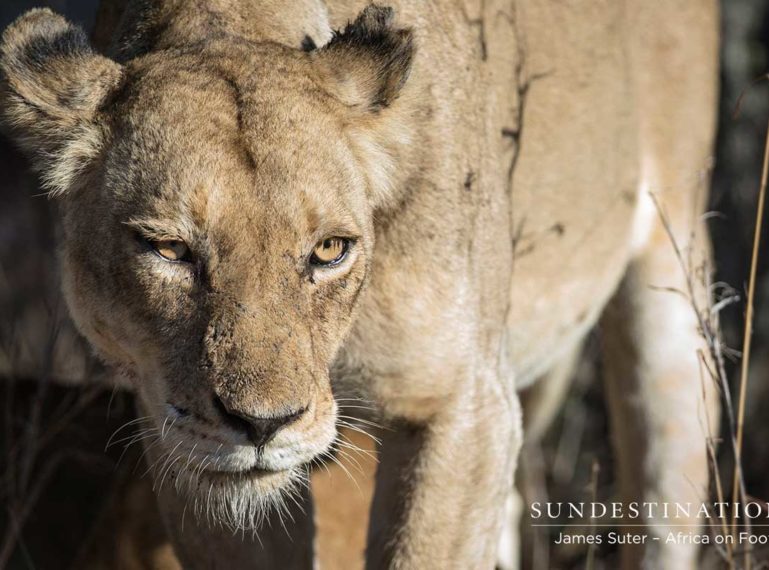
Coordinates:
(217, 204)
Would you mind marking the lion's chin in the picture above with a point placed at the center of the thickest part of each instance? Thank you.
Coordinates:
(241, 500)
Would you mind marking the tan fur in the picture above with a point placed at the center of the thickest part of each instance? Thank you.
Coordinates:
(490, 159)
(342, 493)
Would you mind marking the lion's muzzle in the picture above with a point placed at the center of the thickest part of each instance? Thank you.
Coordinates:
(260, 430)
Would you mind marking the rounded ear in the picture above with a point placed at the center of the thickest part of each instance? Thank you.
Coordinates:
(368, 62)
(365, 66)
(52, 86)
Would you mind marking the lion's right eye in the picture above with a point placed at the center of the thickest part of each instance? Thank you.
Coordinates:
(171, 249)
(330, 251)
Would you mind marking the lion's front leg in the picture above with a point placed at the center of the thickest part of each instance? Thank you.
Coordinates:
(441, 486)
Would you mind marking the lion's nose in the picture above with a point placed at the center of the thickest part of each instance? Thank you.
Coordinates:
(260, 430)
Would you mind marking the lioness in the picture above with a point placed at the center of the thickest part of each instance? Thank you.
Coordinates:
(432, 213)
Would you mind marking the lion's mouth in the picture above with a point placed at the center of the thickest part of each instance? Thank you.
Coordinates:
(254, 472)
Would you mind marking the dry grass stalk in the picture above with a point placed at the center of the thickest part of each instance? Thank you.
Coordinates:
(728, 553)
(748, 332)
(590, 564)
(29, 462)
(712, 360)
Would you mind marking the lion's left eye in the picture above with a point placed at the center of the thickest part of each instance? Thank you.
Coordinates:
(171, 249)
(330, 251)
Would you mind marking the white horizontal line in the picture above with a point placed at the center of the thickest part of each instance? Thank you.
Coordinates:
(620, 525)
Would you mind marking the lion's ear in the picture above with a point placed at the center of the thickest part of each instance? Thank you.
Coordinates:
(365, 66)
(369, 61)
(52, 86)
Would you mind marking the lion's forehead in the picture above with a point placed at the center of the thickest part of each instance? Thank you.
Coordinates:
(253, 87)
(205, 122)
(229, 184)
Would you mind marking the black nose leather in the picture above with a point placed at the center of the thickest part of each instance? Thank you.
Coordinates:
(260, 430)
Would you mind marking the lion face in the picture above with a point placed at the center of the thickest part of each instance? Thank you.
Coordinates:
(218, 260)
(217, 212)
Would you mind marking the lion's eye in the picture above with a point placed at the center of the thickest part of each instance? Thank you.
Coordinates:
(171, 249)
(330, 251)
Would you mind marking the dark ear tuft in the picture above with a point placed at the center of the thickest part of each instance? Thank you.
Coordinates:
(308, 44)
(39, 35)
(52, 85)
(372, 56)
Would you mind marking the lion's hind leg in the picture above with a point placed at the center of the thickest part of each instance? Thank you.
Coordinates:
(662, 404)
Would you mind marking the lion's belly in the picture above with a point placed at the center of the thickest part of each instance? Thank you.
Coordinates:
(575, 186)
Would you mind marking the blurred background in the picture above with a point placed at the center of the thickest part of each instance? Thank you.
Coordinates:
(57, 484)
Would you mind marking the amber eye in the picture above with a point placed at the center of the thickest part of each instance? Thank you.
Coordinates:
(330, 251)
(171, 249)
